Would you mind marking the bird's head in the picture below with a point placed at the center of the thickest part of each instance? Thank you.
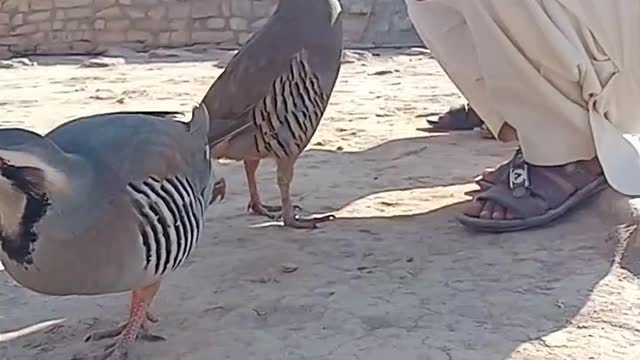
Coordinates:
(26, 185)
(23, 203)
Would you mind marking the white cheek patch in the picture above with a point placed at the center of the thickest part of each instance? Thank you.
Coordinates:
(55, 180)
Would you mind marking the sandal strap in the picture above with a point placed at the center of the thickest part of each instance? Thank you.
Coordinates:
(501, 171)
(533, 190)
(519, 181)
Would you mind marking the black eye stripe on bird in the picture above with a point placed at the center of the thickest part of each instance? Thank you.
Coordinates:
(269, 100)
(115, 212)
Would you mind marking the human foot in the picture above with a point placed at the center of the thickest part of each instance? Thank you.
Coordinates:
(491, 176)
(526, 195)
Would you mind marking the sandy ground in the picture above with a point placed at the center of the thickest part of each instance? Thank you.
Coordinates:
(395, 277)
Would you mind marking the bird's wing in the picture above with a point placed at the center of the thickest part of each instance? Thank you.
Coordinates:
(249, 77)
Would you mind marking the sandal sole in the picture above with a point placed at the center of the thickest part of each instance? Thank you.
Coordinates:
(502, 226)
(435, 124)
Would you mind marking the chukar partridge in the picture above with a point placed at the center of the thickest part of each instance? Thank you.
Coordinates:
(104, 204)
(273, 93)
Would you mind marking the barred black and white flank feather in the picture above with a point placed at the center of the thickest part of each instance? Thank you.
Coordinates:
(171, 218)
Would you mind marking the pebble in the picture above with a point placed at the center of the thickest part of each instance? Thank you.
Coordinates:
(325, 292)
(557, 339)
(289, 268)
(382, 72)
(351, 56)
(259, 312)
(102, 62)
(416, 51)
(15, 63)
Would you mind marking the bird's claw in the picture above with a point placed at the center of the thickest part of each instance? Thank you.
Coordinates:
(268, 210)
(152, 318)
(299, 222)
(114, 351)
(105, 334)
(260, 209)
(219, 190)
(144, 333)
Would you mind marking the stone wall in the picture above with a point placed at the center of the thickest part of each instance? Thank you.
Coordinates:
(91, 26)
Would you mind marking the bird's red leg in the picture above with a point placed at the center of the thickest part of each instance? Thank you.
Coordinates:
(255, 205)
(133, 329)
(285, 175)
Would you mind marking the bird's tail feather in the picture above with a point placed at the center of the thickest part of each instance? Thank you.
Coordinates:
(222, 129)
(199, 120)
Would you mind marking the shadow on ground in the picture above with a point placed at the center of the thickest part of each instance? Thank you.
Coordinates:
(374, 286)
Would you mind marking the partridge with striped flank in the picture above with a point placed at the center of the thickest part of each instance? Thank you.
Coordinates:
(105, 204)
(269, 100)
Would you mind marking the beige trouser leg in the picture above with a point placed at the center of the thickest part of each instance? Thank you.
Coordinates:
(564, 73)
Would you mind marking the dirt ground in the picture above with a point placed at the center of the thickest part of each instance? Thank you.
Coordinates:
(394, 277)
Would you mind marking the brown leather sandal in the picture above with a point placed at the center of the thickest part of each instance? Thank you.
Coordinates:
(457, 118)
(535, 195)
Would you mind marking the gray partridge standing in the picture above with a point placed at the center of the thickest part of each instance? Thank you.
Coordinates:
(274, 92)
(104, 204)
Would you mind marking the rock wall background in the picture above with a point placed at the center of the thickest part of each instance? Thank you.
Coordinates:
(30, 27)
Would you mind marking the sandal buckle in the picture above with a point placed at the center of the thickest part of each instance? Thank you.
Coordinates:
(519, 179)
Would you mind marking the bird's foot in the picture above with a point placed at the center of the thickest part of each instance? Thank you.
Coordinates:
(144, 333)
(116, 351)
(151, 318)
(267, 210)
(219, 190)
(260, 209)
(135, 328)
(299, 222)
(272, 208)
(278, 208)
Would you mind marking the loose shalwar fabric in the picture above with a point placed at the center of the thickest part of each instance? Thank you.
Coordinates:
(565, 74)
